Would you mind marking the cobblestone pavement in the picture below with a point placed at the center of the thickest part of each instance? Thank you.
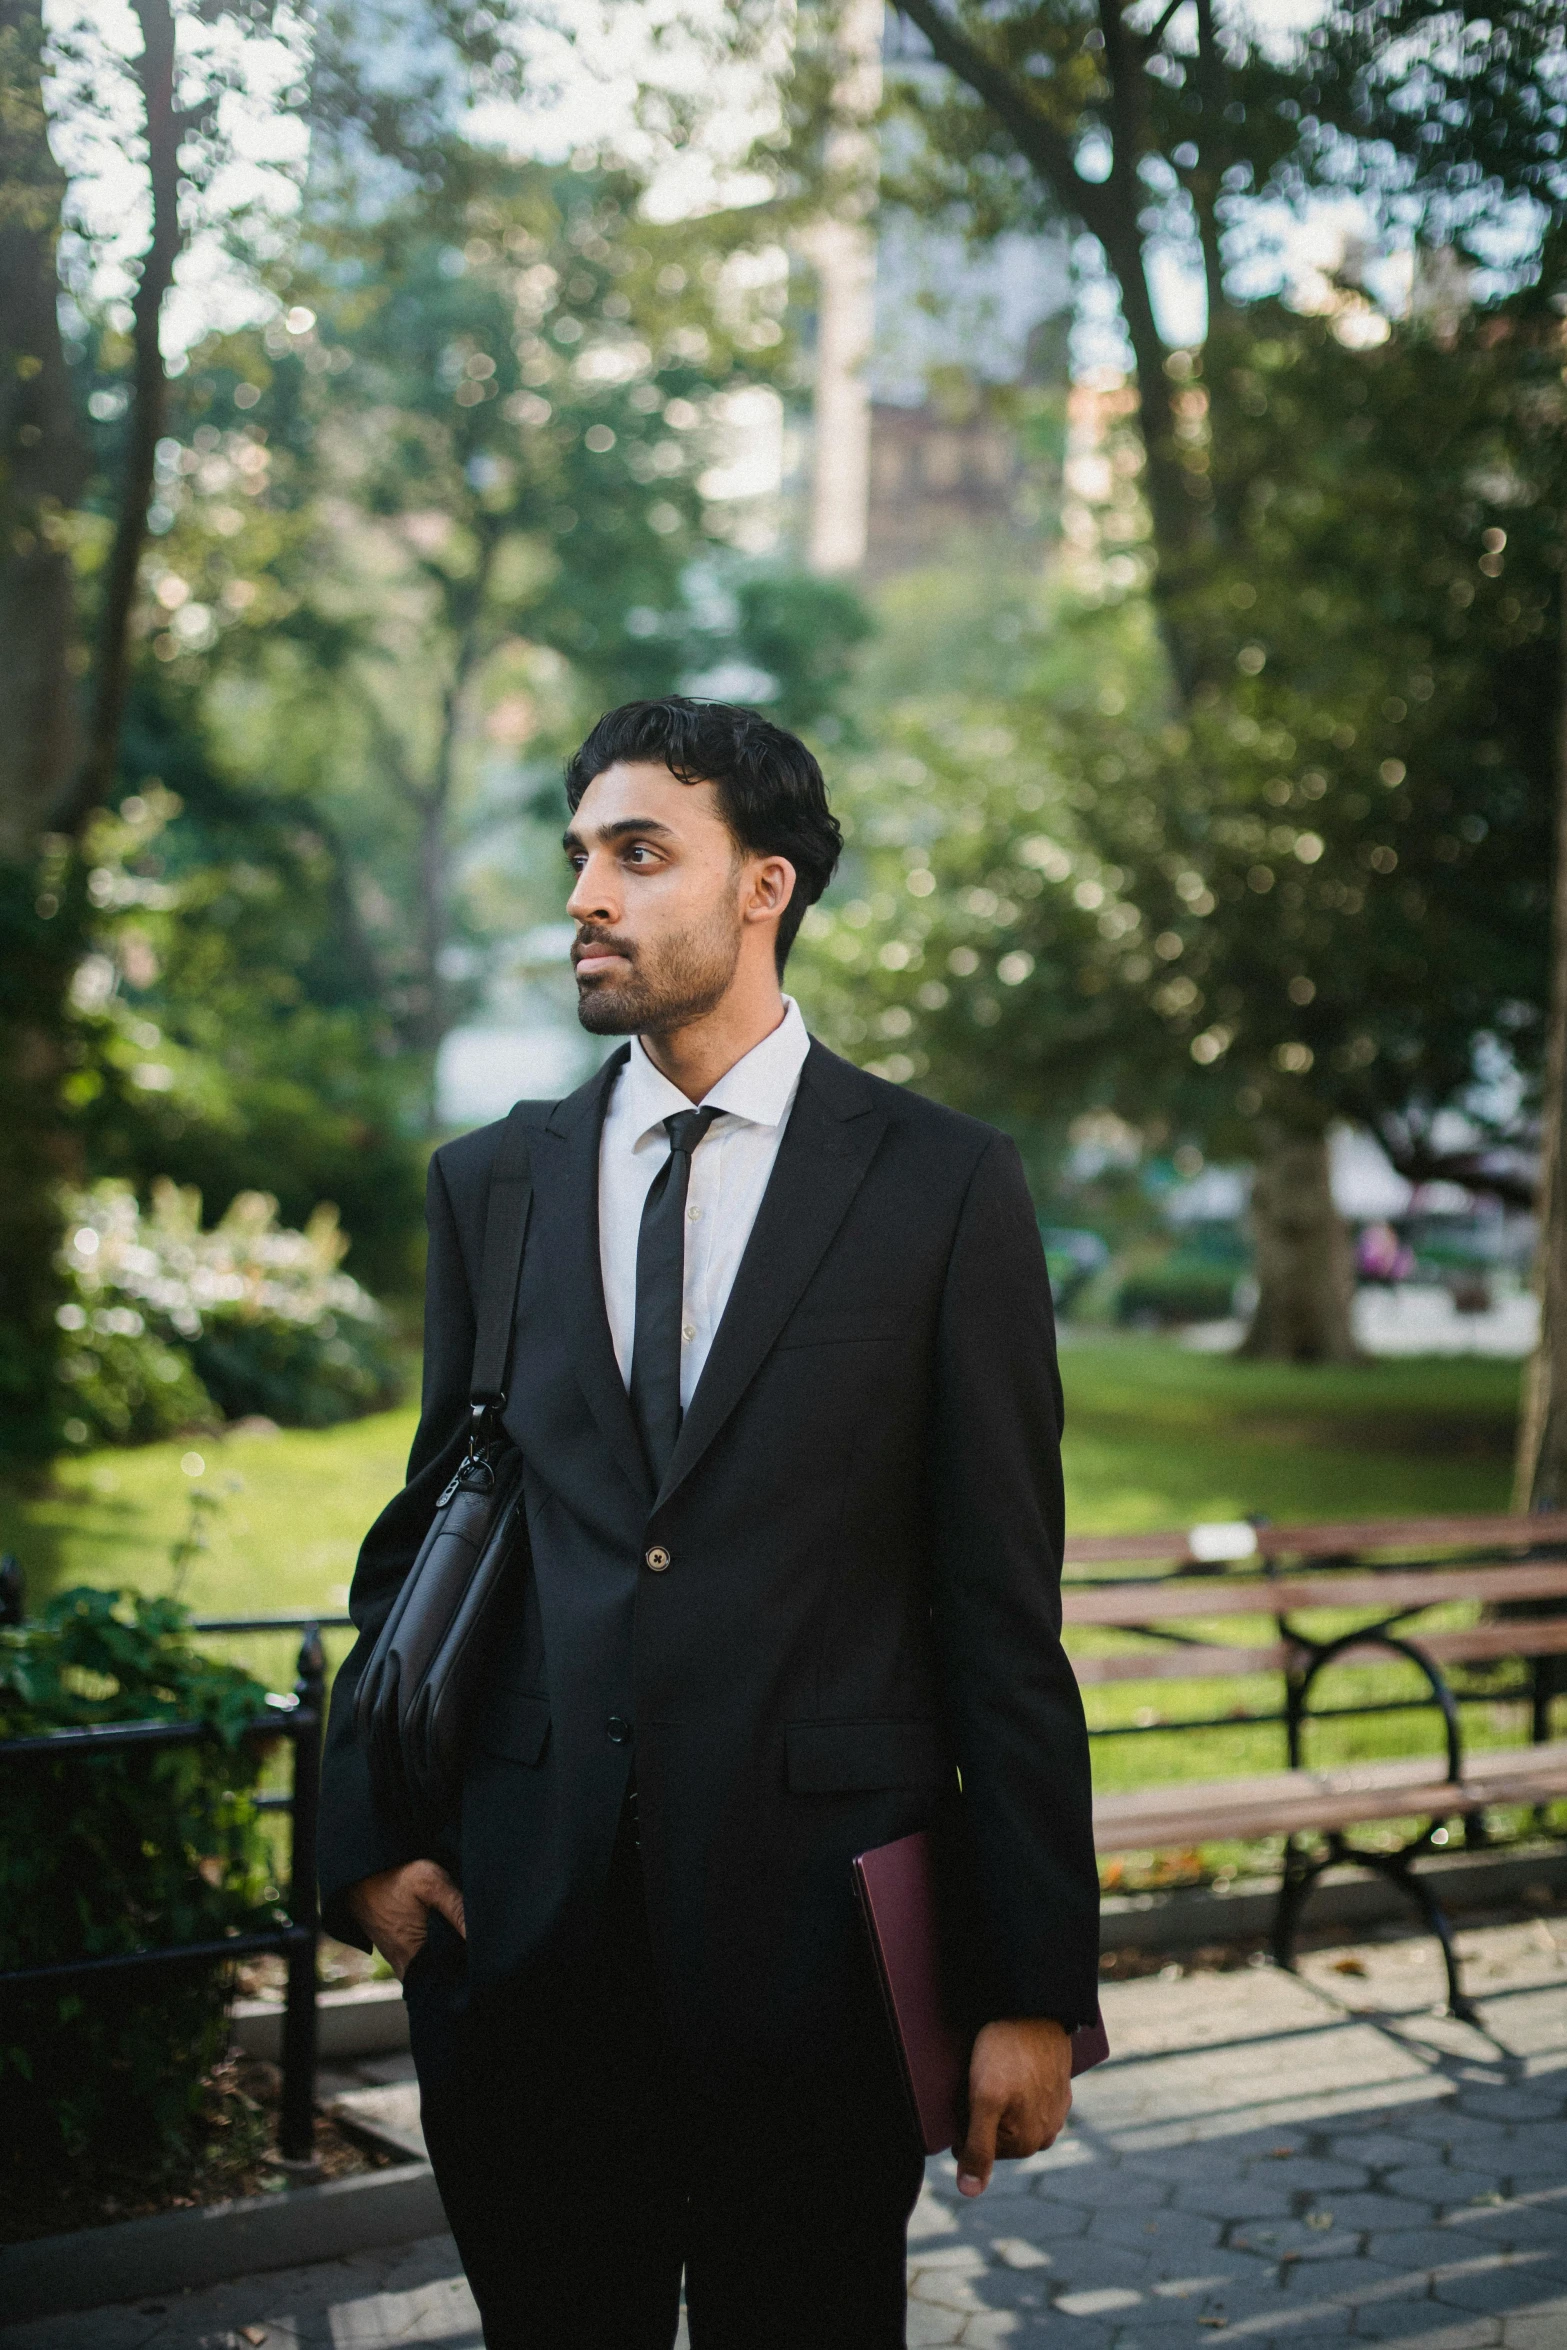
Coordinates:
(1280, 2161)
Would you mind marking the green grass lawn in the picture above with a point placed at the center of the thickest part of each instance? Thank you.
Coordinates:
(284, 1519)
(1156, 1437)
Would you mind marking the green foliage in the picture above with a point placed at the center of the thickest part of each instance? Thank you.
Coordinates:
(445, 505)
(1312, 892)
(302, 1377)
(126, 1385)
(114, 1853)
(165, 1320)
(227, 1015)
(804, 632)
(1182, 1287)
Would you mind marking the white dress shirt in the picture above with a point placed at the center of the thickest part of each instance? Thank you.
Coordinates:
(729, 1173)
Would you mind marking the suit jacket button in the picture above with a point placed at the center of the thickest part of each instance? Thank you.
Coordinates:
(618, 1730)
(657, 1558)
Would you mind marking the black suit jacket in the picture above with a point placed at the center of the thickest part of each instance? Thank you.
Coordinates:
(858, 1632)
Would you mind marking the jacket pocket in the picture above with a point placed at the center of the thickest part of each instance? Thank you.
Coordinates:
(855, 1325)
(514, 1725)
(851, 1758)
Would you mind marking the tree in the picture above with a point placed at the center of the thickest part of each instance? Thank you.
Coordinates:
(66, 622)
(1147, 127)
(1310, 895)
(475, 441)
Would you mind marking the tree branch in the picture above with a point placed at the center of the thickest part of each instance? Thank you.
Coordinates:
(1046, 148)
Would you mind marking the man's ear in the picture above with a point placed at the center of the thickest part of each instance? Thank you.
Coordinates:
(772, 886)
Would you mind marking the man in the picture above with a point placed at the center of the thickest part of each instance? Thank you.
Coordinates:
(784, 1380)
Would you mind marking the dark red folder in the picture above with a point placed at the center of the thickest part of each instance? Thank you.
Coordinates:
(897, 1891)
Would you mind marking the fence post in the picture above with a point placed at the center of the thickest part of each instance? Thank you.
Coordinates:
(297, 2133)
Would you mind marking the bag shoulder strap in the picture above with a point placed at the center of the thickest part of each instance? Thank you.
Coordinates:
(500, 1265)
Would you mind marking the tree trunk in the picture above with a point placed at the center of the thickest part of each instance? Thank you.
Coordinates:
(164, 129)
(49, 785)
(1541, 1479)
(41, 472)
(1110, 210)
(41, 464)
(842, 249)
(1305, 1270)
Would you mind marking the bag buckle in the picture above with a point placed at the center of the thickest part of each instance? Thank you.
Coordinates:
(476, 1474)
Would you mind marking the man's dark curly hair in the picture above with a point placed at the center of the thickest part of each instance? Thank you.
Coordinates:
(770, 789)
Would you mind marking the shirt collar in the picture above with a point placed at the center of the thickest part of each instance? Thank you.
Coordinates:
(759, 1088)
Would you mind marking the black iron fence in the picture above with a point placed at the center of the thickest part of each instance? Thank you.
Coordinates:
(297, 1718)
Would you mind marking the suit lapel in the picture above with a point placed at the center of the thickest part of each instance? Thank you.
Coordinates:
(566, 1175)
(827, 1147)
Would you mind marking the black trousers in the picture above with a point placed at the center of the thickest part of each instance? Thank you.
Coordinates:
(581, 2181)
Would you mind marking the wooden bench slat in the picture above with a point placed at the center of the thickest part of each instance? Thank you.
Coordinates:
(1466, 1533)
(1545, 1637)
(1284, 1802)
(1130, 1604)
(1542, 1636)
(1180, 1664)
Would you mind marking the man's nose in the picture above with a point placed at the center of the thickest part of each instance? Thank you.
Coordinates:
(592, 899)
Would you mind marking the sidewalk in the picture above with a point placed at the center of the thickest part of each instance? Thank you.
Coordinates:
(1281, 2162)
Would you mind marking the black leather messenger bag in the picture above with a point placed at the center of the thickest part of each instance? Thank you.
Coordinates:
(415, 1695)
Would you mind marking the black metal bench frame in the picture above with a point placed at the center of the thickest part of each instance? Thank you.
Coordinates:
(1309, 1855)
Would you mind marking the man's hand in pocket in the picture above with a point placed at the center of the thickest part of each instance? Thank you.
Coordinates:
(394, 1909)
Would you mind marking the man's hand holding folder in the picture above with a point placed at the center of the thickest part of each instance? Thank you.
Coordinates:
(1007, 2094)
(1019, 2095)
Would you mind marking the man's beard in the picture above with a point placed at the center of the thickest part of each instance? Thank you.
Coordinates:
(668, 986)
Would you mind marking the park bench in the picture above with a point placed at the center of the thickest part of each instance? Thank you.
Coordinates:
(1289, 1572)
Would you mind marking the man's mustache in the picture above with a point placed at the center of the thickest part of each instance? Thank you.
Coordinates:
(591, 941)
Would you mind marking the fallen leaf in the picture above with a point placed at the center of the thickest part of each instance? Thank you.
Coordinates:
(1216, 2322)
(1349, 1966)
(1280, 2153)
(255, 2334)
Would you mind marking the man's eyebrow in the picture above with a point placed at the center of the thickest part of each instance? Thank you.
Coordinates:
(621, 829)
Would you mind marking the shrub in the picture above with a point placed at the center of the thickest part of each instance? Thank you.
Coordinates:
(1181, 1289)
(174, 1326)
(114, 1852)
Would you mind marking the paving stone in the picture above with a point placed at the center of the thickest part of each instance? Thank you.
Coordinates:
(1496, 2281)
(1097, 2300)
(1185, 2232)
(1165, 2195)
(1091, 2185)
(1312, 2175)
(1416, 2251)
(1378, 2148)
(1427, 2324)
(1092, 2267)
(1051, 2222)
(1235, 2198)
(1381, 2212)
(1001, 2330)
(1511, 2102)
(1543, 2326)
(943, 2288)
(1446, 2184)
(930, 2325)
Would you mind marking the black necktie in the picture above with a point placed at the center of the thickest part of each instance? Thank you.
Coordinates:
(661, 1275)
